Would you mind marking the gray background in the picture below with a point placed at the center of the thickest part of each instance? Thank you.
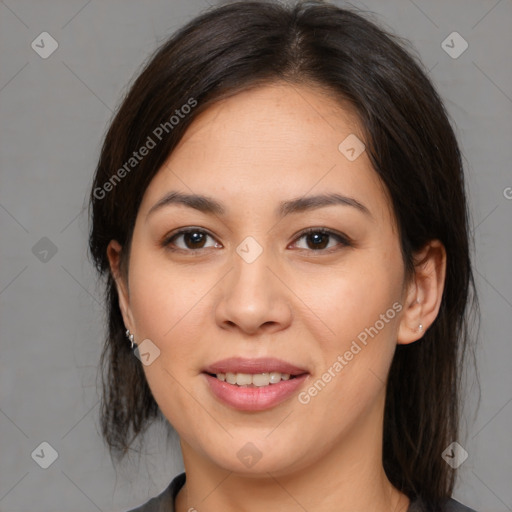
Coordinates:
(54, 113)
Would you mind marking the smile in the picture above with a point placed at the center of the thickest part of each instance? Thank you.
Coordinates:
(256, 395)
(253, 380)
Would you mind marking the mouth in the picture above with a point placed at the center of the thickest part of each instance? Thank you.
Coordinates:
(253, 380)
(246, 366)
(254, 384)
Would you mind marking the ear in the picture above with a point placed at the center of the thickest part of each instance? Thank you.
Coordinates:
(114, 251)
(423, 293)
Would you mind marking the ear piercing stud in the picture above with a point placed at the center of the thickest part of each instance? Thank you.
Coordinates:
(420, 327)
(130, 336)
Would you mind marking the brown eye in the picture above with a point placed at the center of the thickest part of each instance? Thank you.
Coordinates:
(322, 239)
(317, 240)
(188, 239)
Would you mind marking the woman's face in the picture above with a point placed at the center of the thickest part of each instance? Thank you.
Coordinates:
(247, 283)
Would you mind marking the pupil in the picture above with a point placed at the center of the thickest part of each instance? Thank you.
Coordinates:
(318, 237)
(196, 237)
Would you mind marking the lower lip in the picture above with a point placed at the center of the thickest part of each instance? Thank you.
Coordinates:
(254, 398)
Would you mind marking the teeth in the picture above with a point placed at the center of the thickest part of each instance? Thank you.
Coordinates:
(275, 377)
(243, 379)
(263, 379)
(257, 379)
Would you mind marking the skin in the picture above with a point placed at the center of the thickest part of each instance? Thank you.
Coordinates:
(295, 302)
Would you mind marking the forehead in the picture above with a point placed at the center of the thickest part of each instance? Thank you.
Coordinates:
(270, 143)
(277, 118)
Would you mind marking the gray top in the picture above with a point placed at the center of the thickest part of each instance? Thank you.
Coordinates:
(164, 502)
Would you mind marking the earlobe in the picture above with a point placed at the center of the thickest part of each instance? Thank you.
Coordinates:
(424, 293)
(114, 251)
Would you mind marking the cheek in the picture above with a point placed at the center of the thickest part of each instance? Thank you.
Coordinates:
(353, 297)
(163, 300)
(360, 306)
(351, 375)
(166, 306)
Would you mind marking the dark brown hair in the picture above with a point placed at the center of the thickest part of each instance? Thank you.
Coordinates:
(411, 145)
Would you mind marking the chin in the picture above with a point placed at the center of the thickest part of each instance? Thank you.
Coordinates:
(257, 458)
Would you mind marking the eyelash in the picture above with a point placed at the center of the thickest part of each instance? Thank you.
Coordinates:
(343, 239)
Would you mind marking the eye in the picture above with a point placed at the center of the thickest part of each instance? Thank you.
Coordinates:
(318, 239)
(191, 239)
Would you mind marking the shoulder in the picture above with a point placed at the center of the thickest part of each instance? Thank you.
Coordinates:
(450, 505)
(164, 502)
(455, 506)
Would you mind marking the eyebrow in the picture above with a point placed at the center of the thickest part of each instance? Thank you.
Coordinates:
(209, 205)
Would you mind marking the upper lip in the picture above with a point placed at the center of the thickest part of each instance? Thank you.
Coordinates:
(259, 365)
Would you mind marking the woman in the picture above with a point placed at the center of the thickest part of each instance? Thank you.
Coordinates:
(279, 212)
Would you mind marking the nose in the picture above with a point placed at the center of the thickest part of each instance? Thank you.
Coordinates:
(252, 298)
